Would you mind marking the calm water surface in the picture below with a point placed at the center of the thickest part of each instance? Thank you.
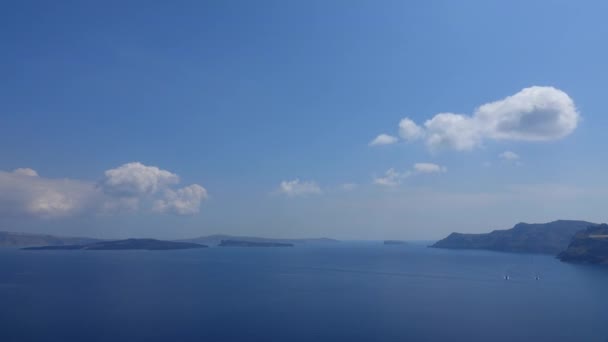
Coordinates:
(342, 292)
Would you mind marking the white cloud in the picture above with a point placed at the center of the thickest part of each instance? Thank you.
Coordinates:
(133, 182)
(136, 179)
(533, 114)
(409, 131)
(26, 172)
(383, 139)
(23, 193)
(124, 189)
(509, 156)
(184, 201)
(296, 188)
(456, 131)
(393, 177)
(429, 168)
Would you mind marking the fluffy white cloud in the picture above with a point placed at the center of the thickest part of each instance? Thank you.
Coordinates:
(533, 114)
(137, 179)
(133, 182)
(409, 131)
(297, 188)
(184, 201)
(429, 168)
(509, 156)
(126, 188)
(456, 131)
(383, 139)
(393, 178)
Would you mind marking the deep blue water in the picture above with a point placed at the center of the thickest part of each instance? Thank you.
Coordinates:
(343, 292)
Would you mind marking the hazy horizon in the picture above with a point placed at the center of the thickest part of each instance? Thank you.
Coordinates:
(353, 121)
(107, 237)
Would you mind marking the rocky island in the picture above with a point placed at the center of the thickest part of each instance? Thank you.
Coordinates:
(548, 238)
(239, 243)
(128, 244)
(589, 246)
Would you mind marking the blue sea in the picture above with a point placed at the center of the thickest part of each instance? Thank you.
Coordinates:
(349, 291)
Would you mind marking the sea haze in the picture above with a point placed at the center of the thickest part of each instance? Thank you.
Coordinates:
(351, 291)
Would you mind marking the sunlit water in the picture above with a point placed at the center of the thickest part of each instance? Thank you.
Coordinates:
(341, 292)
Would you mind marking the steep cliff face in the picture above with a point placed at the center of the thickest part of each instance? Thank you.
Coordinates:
(589, 246)
(549, 238)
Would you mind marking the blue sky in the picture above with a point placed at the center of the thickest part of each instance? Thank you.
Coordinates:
(244, 98)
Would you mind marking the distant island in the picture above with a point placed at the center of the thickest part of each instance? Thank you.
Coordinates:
(589, 246)
(395, 242)
(215, 240)
(128, 244)
(547, 238)
(13, 239)
(240, 243)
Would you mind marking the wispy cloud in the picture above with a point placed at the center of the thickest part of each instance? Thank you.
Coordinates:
(509, 156)
(296, 187)
(429, 168)
(24, 193)
(393, 178)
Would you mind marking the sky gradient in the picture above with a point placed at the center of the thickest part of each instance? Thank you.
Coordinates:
(345, 119)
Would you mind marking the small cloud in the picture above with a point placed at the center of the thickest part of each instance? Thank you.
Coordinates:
(509, 156)
(383, 139)
(429, 168)
(393, 178)
(297, 188)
